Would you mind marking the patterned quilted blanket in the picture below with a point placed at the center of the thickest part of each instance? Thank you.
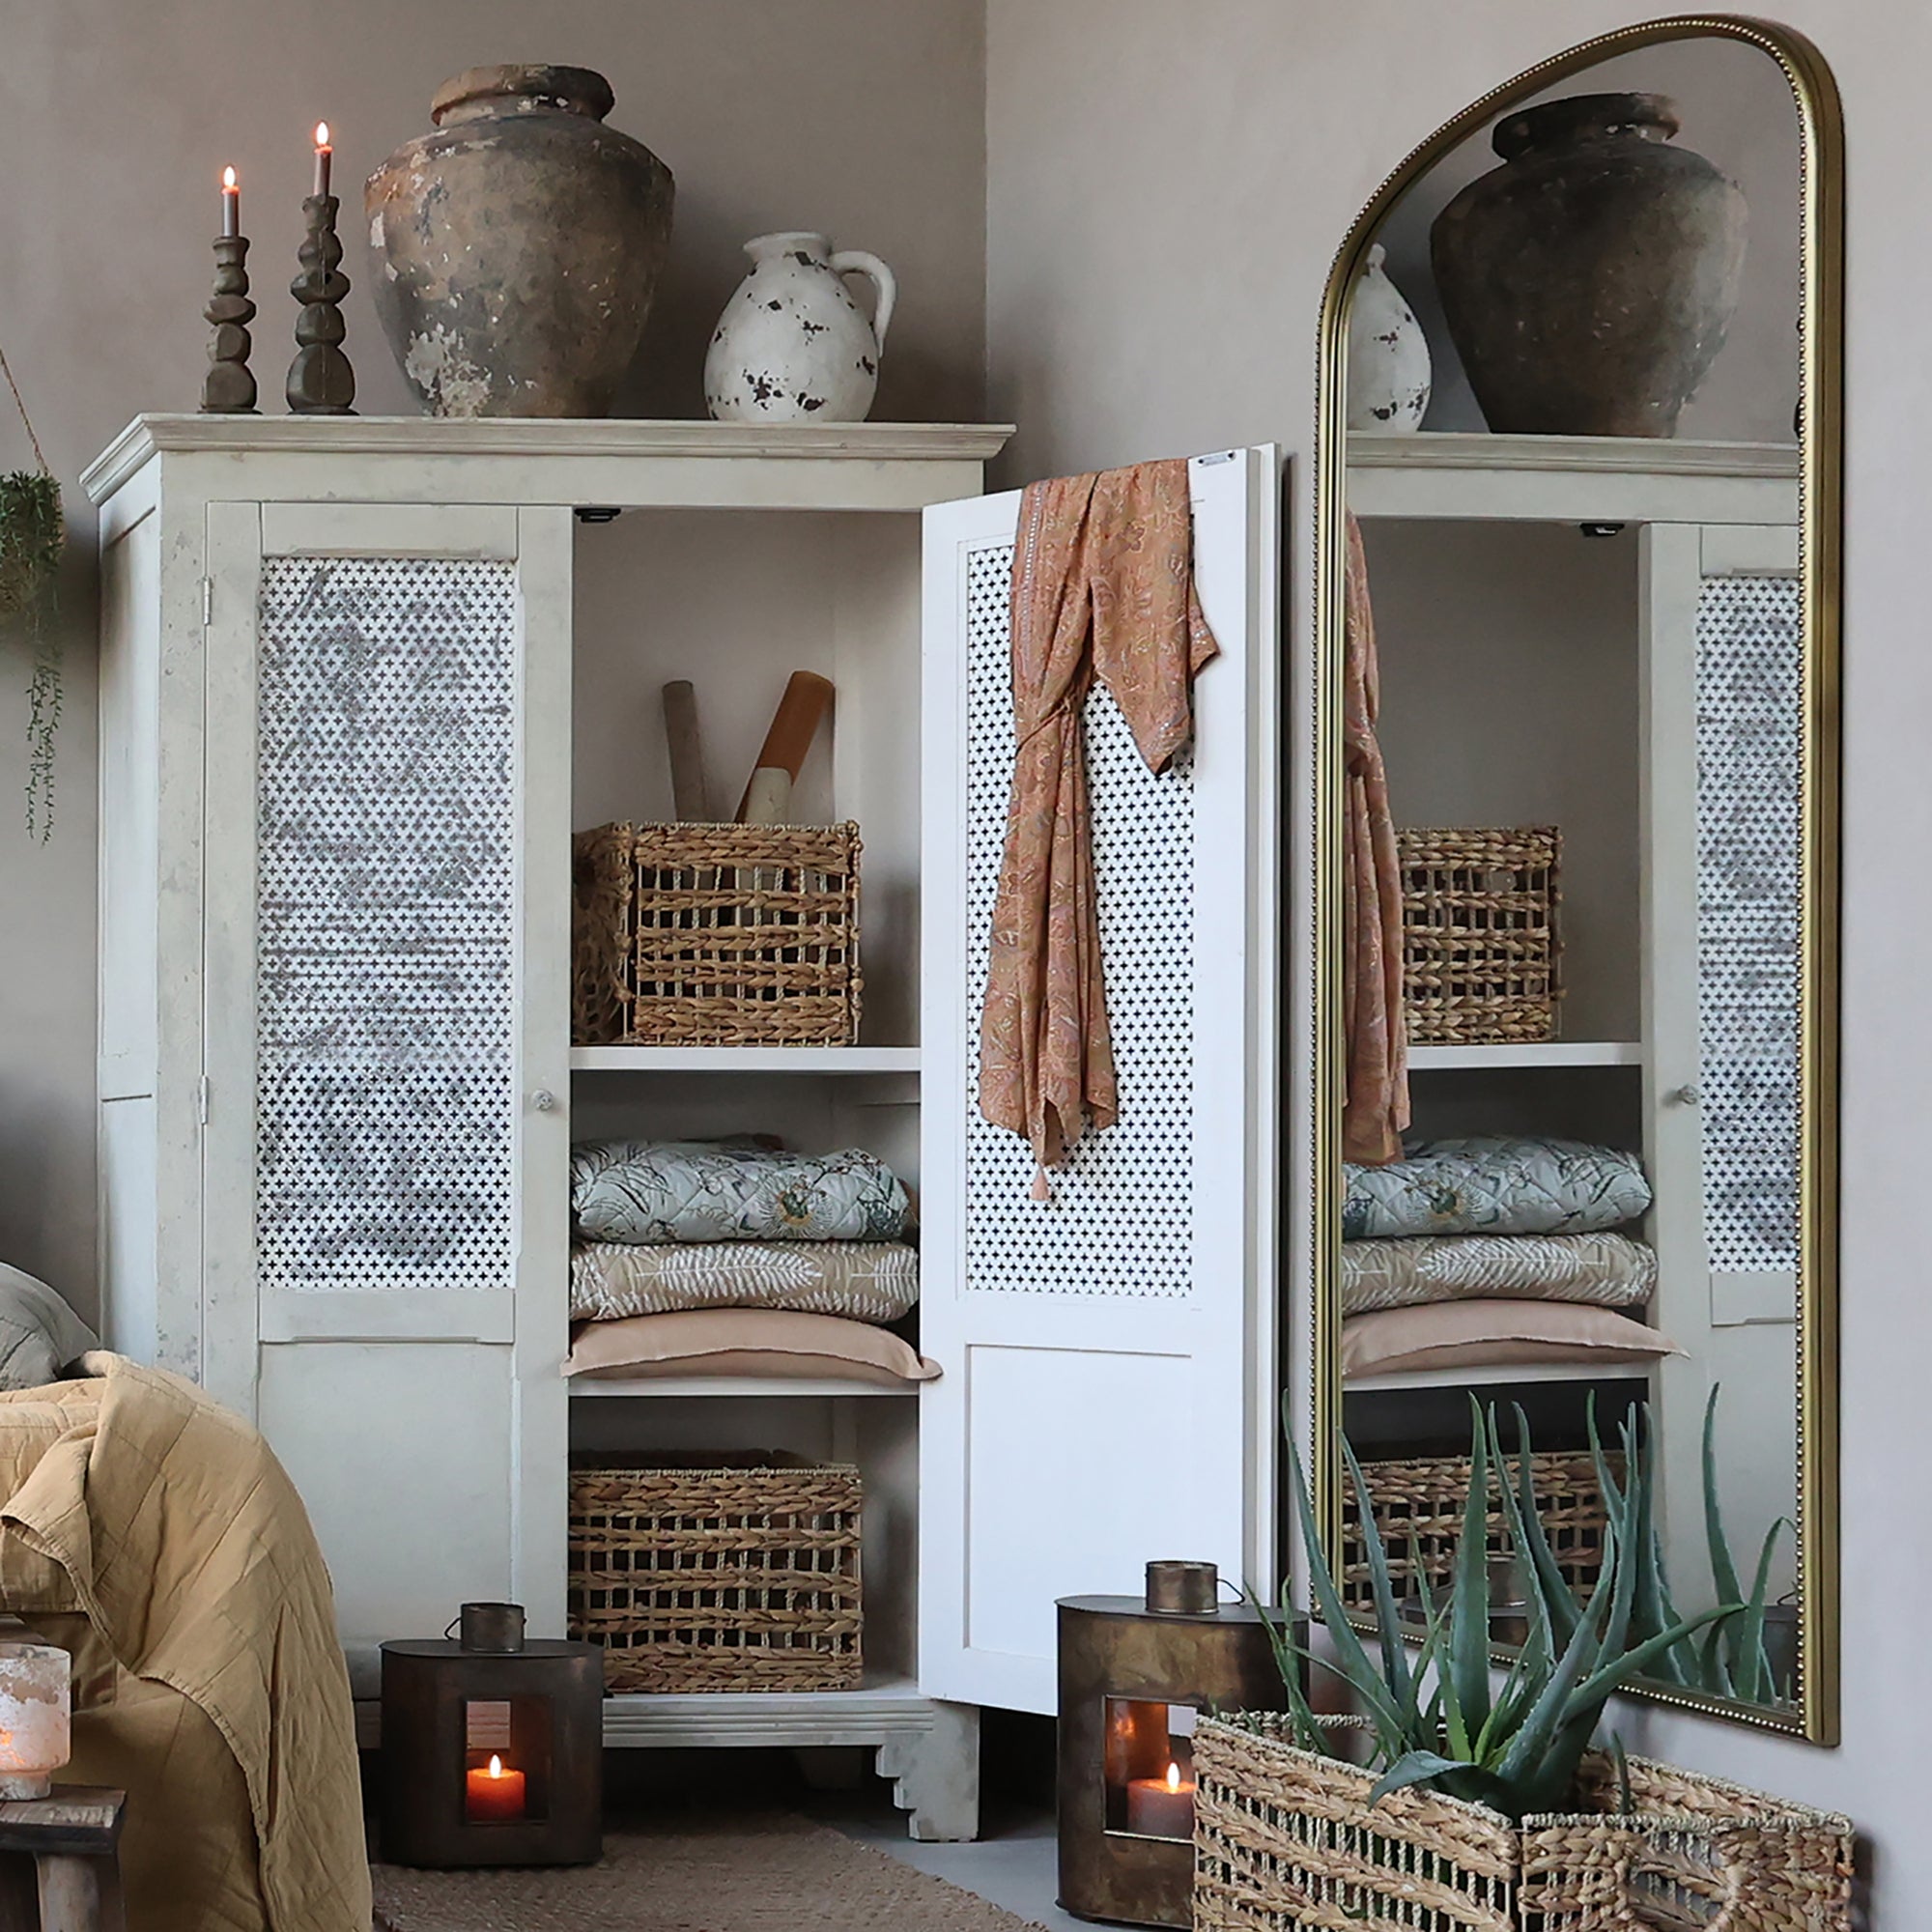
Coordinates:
(862, 1281)
(1411, 1272)
(1494, 1184)
(645, 1191)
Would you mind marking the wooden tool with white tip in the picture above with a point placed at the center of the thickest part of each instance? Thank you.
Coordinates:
(803, 707)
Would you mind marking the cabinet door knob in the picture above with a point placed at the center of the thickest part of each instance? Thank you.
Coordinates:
(543, 1100)
(1683, 1096)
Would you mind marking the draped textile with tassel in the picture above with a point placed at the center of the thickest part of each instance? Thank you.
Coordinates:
(1102, 587)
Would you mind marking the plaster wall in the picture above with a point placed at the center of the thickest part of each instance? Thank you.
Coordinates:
(1166, 189)
(863, 118)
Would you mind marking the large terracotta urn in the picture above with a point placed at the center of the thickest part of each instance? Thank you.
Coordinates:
(518, 246)
(1589, 281)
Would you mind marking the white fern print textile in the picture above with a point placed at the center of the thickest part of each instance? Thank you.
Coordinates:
(649, 1191)
(1608, 1270)
(1494, 1184)
(863, 1281)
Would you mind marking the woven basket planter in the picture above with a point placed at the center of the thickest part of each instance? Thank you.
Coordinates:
(1287, 1842)
(1419, 1501)
(1480, 953)
(722, 1573)
(715, 935)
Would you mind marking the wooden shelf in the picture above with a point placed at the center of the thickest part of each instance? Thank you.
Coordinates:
(1472, 1376)
(1564, 480)
(655, 1389)
(1542, 1053)
(814, 1061)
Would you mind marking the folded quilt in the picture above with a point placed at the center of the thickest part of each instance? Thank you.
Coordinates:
(1494, 1184)
(863, 1281)
(1413, 1271)
(652, 1191)
(770, 1344)
(1494, 1334)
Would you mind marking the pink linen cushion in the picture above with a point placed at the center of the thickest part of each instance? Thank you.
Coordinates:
(1485, 1333)
(774, 1343)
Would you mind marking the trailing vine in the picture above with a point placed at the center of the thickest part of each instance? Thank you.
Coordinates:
(33, 534)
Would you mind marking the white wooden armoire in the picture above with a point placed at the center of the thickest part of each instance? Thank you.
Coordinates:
(360, 679)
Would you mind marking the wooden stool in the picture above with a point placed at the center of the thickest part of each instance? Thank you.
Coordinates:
(60, 1867)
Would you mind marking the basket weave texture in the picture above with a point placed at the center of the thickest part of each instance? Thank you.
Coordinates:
(1480, 951)
(715, 935)
(1418, 1503)
(1287, 1842)
(724, 1573)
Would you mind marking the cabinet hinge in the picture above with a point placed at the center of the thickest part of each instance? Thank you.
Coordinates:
(207, 602)
(201, 1102)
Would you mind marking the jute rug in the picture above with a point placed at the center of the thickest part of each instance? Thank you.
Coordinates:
(742, 1875)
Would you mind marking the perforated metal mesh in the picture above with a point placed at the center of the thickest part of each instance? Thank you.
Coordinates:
(1119, 1222)
(1749, 755)
(385, 902)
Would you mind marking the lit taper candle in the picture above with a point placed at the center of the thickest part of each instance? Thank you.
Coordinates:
(323, 153)
(231, 205)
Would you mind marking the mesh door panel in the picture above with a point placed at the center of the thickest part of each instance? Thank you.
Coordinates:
(1749, 758)
(385, 924)
(1120, 1220)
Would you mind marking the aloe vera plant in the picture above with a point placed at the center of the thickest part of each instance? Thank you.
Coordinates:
(1436, 1716)
(1730, 1659)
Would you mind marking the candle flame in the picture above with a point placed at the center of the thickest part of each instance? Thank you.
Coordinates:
(1173, 1775)
(495, 1767)
(228, 178)
(321, 133)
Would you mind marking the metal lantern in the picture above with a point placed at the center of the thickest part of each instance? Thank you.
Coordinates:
(492, 1748)
(1134, 1675)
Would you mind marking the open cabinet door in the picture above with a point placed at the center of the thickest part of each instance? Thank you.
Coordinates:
(1108, 1356)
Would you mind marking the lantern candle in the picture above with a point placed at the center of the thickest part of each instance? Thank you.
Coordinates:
(231, 205)
(1161, 1807)
(323, 152)
(35, 1701)
(495, 1795)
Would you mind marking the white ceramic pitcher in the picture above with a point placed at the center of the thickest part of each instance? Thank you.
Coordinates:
(792, 346)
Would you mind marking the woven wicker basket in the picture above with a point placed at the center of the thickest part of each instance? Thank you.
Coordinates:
(715, 935)
(1286, 1841)
(1419, 1501)
(1481, 962)
(722, 1573)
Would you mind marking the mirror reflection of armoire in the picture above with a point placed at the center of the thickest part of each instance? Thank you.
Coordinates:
(1554, 616)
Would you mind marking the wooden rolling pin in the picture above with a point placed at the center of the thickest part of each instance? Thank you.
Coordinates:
(806, 699)
(686, 747)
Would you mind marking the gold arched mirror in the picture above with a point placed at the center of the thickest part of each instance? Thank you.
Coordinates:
(1576, 893)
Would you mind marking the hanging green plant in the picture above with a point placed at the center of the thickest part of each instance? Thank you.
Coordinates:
(33, 534)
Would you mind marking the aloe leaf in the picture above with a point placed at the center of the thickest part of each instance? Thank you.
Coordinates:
(1415, 1768)
(1548, 1714)
(1632, 1663)
(1620, 1761)
(1747, 1633)
(1723, 1573)
(1558, 1600)
(1542, 1644)
(1288, 1659)
(1354, 1666)
(1394, 1653)
(1469, 1586)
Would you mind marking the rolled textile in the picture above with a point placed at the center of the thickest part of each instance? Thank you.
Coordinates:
(1413, 1271)
(1494, 1184)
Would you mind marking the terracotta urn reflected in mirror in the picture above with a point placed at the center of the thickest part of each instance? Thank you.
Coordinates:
(518, 246)
(1588, 282)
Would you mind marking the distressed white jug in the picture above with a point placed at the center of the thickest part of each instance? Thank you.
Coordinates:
(1389, 370)
(792, 346)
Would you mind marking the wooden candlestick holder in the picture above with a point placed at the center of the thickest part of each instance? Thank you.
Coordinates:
(321, 381)
(228, 388)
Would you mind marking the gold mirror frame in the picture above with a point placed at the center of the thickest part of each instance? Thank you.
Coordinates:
(1821, 178)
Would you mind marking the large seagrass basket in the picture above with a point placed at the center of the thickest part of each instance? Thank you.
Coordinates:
(1287, 1842)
